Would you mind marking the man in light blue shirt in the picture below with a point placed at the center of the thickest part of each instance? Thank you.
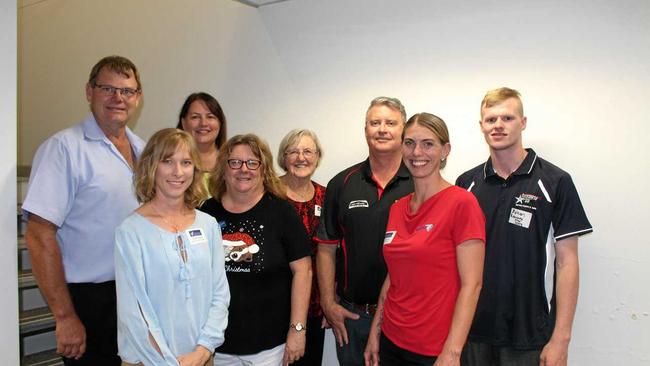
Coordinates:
(80, 189)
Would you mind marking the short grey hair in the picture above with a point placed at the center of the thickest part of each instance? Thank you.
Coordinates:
(291, 139)
(392, 103)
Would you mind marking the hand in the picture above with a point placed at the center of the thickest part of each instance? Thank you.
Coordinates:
(555, 353)
(448, 358)
(336, 315)
(198, 357)
(70, 337)
(295, 347)
(371, 353)
(324, 324)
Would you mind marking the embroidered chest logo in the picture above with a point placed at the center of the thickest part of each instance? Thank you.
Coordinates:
(358, 204)
(427, 227)
(526, 200)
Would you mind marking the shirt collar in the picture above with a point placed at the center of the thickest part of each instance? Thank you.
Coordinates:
(524, 168)
(93, 132)
(402, 172)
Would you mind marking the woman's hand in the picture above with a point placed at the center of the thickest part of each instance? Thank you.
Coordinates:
(198, 357)
(295, 347)
(371, 354)
(448, 358)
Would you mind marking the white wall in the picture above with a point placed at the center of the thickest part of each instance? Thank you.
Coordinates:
(8, 249)
(581, 66)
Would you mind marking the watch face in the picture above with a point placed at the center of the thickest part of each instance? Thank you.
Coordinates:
(298, 327)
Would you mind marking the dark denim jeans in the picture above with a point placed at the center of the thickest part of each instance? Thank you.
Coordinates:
(351, 354)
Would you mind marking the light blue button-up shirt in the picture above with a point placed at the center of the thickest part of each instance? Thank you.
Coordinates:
(81, 183)
(181, 304)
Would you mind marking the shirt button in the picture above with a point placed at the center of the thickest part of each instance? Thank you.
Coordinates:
(504, 184)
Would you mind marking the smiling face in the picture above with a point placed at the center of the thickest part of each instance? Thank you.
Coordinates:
(302, 158)
(243, 180)
(112, 112)
(422, 151)
(502, 124)
(201, 123)
(383, 129)
(174, 174)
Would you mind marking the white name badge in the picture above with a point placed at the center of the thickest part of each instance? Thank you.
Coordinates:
(317, 210)
(388, 238)
(196, 235)
(520, 218)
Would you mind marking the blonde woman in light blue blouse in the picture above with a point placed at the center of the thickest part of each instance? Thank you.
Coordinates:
(172, 292)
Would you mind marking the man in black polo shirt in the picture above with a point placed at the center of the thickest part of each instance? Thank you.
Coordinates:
(352, 228)
(534, 217)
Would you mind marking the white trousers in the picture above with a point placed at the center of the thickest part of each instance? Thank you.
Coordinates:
(269, 357)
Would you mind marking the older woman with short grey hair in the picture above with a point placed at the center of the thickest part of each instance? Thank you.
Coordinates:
(299, 155)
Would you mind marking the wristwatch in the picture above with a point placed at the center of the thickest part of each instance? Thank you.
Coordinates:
(298, 327)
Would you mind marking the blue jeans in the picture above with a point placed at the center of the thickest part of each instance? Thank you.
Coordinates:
(351, 354)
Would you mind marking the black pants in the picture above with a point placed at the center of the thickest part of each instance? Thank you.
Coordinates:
(314, 346)
(95, 304)
(483, 354)
(390, 354)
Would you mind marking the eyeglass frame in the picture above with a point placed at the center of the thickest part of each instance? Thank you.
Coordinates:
(110, 90)
(240, 163)
(308, 153)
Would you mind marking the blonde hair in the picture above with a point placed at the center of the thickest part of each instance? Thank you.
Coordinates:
(161, 146)
(261, 151)
(499, 95)
(291, 139)
(432, 122)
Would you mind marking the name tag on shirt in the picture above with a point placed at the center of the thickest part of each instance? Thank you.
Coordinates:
(317, 210)
(196, 236)
(520, 218)
(388, 238)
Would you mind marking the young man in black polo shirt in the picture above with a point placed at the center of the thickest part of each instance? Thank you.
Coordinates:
(534, 217)
(352, 228)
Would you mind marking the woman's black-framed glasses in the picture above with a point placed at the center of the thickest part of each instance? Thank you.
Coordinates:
(251, 164)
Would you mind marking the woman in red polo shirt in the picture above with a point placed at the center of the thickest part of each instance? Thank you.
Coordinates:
(434, 249)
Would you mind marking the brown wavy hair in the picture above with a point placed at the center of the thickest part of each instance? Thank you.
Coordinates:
(161, 146)
(260, 149)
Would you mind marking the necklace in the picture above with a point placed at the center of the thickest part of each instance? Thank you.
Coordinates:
(180, 243)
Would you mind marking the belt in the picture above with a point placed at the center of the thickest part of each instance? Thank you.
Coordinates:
(369, 309)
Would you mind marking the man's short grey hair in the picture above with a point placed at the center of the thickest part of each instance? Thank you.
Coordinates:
(392, 103)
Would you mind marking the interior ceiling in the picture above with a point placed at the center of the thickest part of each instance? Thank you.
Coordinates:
(258, 3)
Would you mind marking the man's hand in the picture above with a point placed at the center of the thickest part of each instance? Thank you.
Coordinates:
(295, 347)
(70, 337)
(555, 353)
(336, 315)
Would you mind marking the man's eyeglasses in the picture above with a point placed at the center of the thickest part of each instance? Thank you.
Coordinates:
(251, 164)
(307, 153)
(109, 90)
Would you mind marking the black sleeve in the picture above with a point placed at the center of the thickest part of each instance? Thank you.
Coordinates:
(569, 217)
(294, 236)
